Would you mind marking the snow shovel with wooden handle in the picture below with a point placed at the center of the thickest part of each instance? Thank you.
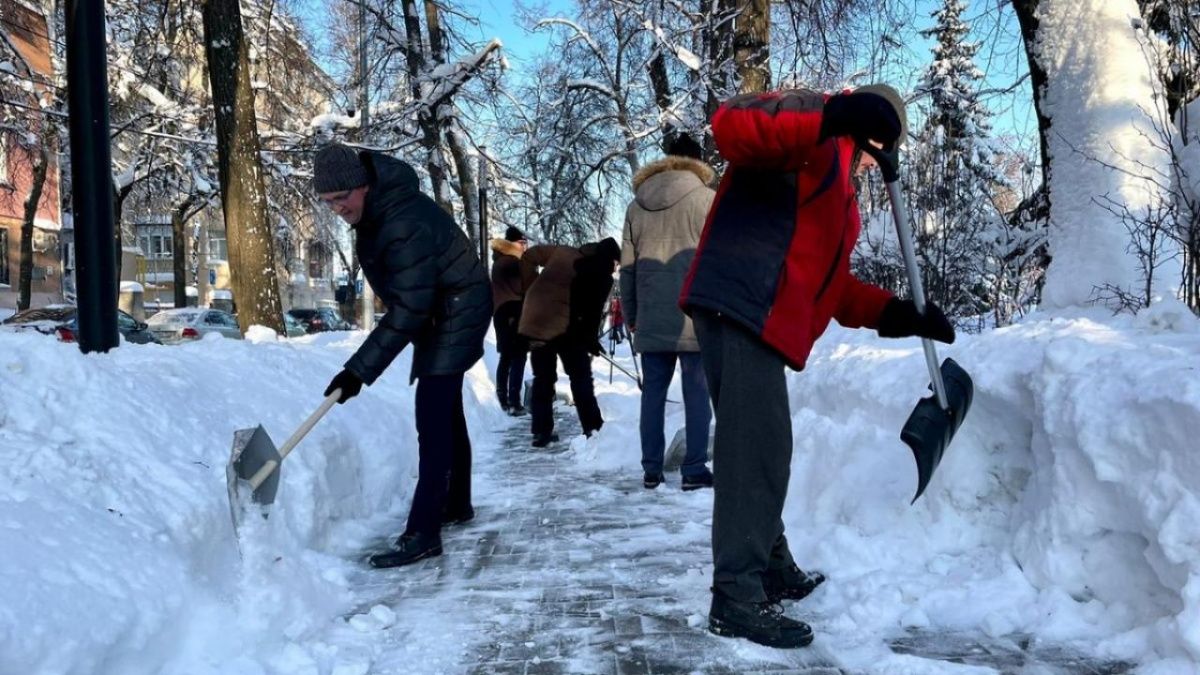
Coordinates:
(254, 464)
(934, 420)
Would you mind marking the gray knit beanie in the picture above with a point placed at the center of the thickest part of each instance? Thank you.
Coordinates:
(893, 97)
(337, 168)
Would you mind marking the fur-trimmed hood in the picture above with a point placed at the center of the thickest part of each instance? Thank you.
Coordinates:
(506, 247)
(662, 184)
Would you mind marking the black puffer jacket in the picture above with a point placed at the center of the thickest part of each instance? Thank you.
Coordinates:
(423, 268)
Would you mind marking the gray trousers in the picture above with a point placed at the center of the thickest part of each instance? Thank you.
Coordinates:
(752, 455)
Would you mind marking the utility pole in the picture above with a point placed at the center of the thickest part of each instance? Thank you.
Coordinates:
(367, 313)
(91, 177)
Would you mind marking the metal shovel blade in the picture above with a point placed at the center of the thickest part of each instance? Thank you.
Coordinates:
(252, 448)
(930, 428)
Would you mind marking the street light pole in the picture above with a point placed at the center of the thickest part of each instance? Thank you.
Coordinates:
(91, 178)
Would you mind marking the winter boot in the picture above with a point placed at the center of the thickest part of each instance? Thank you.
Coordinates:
(542, 440)
(760, 622)
(410, 548)
(652, 480)
(697, 481)
(458, 516)
(517, 410)
(790, 583)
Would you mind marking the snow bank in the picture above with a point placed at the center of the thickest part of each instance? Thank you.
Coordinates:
(1065, 508)
(119, 552)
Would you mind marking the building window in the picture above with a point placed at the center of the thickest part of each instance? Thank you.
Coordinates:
(216, 247)
(316, 260)
(155, 241)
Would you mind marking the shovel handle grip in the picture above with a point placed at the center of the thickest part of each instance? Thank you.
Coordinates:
(269, 466)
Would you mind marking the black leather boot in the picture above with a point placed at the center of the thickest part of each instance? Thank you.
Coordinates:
(410, 548)
(760, 622)
(790, 583)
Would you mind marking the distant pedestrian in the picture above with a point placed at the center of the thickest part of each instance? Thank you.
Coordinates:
(508, 296)
(427, 274)
(564, 305)
(662, 230)
(772, 270)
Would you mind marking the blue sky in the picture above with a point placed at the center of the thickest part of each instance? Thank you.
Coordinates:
(1013, 113)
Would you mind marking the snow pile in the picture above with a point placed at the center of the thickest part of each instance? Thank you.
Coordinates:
(1065, 508)
(119, 552)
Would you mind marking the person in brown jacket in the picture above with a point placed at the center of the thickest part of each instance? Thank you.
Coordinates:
(508, 295)
(561, 317)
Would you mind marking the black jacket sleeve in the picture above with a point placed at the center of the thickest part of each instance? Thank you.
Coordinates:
(410, 266)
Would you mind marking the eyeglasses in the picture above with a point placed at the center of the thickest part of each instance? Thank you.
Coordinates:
(337, 199)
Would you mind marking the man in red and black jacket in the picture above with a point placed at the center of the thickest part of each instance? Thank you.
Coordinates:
(771, 271)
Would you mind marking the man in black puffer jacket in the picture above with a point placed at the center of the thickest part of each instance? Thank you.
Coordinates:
(439, 298)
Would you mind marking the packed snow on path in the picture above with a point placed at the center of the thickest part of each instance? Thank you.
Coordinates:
(1065, 508)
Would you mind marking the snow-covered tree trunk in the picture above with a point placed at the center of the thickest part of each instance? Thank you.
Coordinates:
(1096, 103)
(243, 196)
(751, 42)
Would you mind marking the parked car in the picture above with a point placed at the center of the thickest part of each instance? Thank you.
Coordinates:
(320, 320)
(60, 320)
(292, 326)
(173, 326)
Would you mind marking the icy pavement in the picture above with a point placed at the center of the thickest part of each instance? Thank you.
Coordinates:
(568, 570)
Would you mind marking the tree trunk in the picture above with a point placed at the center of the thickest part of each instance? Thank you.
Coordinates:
(717, 36)
(415, 60)
(1027, 16)
(1088, 161)
(179, 218)
(662, 94)
(243, 197)
(467, 184)
(37, 184)
(751, 43)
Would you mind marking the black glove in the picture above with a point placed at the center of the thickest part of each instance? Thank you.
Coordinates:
(596, 349)
(862, 116)
(348, 382)
(901, 319)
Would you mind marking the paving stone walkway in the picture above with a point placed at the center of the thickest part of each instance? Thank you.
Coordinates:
(563, 571)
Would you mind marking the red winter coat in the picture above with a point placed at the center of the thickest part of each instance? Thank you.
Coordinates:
(775, 252)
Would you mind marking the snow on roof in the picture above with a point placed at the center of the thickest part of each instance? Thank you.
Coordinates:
(222, 294)
(132, 287)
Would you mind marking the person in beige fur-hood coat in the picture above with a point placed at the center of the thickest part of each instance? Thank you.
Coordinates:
(662, 230)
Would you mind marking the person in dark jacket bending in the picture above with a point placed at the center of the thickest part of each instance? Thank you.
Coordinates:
(771, 271)
(564, 305)
(508, 296)
(423, 268)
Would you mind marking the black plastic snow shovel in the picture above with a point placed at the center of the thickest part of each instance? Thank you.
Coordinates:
(254, 464)
(934, 420)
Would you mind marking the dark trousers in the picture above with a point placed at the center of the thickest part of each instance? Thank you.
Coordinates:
(752, 455)
(444, 483)
(578, 364)
(659, 369)
(510, 371)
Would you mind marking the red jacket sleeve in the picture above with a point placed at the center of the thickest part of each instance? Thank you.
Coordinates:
(861, 304)
(769, 130)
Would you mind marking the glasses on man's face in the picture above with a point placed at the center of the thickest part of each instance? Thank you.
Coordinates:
(337, 199)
